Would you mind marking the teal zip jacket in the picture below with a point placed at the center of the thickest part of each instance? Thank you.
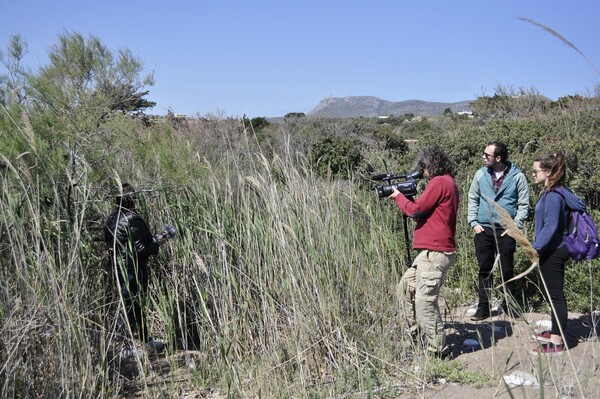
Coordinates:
(513, 196)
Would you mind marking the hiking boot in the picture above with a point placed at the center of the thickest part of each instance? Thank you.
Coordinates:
(482, 313)
(548, 349)
(443, 354)
(544, 336)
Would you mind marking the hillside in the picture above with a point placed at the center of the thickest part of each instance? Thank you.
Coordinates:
(370, 106)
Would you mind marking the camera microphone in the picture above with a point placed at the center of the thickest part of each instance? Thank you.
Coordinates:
(416, 175)
(382, 176)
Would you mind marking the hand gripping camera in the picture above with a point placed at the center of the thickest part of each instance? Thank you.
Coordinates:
(408, 187)
(169, 232)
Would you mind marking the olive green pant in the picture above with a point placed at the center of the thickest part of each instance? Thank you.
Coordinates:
(418, 294)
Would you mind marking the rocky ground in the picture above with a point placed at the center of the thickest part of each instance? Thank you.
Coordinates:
(500, 354)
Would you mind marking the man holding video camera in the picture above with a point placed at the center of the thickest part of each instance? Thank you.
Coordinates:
(131, 244)
(498, 183)
(435, 215)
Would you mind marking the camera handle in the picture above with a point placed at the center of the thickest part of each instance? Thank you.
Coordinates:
(388, 179)
(407, 241)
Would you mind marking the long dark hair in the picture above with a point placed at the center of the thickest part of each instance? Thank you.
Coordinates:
(554, 164)
(435, 161)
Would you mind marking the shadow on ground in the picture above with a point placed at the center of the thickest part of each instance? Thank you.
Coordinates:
(465, 337)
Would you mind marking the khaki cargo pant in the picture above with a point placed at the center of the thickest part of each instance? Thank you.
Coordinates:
(418, 294)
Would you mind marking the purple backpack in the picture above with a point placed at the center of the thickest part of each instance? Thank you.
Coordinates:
(581, 238)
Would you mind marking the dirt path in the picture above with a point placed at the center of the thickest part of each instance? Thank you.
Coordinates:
(504, 352)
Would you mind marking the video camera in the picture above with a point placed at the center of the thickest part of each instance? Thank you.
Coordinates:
(407, 187)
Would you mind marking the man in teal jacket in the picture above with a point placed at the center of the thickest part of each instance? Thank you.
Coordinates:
(502, 182)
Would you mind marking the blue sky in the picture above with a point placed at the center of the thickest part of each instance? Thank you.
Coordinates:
(268, 58)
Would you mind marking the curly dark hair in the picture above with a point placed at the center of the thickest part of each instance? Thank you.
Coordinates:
(435, 161)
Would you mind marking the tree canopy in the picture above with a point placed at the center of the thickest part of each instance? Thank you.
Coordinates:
(83, 77)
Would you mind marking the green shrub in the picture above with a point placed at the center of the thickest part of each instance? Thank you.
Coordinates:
(334, 155)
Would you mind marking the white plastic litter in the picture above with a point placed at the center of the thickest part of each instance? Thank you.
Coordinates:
(190, 362)
(470, 311)
(544, 324)
(520, 378)
(132, 353)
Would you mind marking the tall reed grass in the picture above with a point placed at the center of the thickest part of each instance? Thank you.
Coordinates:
(283, 280)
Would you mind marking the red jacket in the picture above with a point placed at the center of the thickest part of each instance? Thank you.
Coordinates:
(435, 213)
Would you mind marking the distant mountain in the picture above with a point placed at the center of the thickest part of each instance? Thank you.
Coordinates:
(369, 106)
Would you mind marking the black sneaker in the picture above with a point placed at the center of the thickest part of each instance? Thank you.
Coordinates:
(482, 313)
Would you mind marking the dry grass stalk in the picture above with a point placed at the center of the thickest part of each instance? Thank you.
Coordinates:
(515, 232)
(199, 263)
(560, 37)
(512, 230)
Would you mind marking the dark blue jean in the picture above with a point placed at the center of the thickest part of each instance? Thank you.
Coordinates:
(488, 244)
(552, 269)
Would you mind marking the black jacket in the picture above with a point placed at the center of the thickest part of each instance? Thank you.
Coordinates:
(127, 234)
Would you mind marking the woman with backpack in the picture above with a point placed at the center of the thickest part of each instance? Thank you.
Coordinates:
(551, 223)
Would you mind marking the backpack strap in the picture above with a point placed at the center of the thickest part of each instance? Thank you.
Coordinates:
(568, 222)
